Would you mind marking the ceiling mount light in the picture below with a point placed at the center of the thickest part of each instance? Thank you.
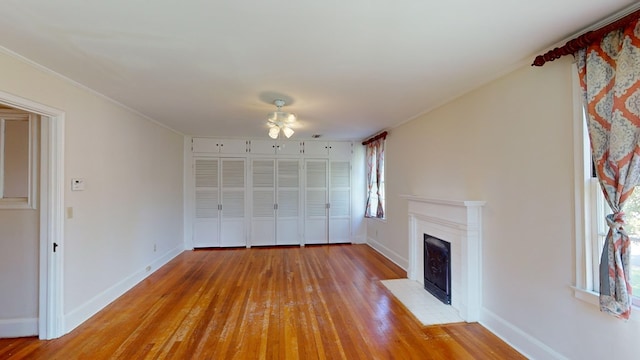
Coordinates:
(279, 120)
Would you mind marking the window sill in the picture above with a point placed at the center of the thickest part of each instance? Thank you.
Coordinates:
(592, 298)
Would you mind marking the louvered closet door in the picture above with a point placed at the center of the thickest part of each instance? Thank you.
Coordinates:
(232, 222)
(316, 189)
(206, 222)
(288, 195)
(339, 202)
(263, 214)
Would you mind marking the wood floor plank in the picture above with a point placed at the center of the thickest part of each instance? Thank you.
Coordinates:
(313, 302)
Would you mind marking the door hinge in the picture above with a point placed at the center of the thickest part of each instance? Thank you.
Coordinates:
(55, 246)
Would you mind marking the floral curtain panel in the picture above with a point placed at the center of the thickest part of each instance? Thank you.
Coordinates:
(610, 78)
(375, 168)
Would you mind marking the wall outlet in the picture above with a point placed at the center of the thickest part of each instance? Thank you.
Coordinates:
(155, 247)
(148, 268)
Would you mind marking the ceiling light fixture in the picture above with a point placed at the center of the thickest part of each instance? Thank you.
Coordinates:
(279, 120)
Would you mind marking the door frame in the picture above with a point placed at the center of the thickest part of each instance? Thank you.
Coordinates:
(51, 210)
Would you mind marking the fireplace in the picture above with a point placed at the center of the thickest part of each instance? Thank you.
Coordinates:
(437, 268)
(458, 222)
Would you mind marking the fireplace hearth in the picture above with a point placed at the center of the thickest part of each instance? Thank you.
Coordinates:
(437, 268)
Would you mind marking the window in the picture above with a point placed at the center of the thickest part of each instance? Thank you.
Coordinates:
(17, 158)
(375, 177)
(591, 210)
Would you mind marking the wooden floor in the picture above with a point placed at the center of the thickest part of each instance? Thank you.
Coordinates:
(315, 302)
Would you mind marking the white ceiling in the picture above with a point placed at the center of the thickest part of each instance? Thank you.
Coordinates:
(348, 68)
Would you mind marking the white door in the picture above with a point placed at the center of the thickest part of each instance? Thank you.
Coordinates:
(263, 230)
(288, 204)
(232, 206)
(206, 222)
(316, 191)
(339, 202)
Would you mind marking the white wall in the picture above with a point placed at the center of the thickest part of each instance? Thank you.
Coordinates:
(131, 214)
(509, 143)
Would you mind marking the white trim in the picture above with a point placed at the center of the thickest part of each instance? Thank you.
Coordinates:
(587, 296)
(189, 193)
(50, 324)
(582, 199)
(98, 302)
(2, 142)
(30, 201)
(518, 339)
(388, 253)
(12, 328)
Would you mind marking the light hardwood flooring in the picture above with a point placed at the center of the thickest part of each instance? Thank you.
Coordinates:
(314, 302)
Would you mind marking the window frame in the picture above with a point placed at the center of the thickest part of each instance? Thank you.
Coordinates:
(30, 201)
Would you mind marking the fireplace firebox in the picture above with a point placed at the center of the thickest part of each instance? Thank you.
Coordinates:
(437, 268)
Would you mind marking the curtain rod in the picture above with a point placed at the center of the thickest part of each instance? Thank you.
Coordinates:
(382, 135)
(585, 39)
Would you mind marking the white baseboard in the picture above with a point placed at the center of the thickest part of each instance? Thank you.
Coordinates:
(12, 328)
(389, 254)
(91, 307)
(526, 344)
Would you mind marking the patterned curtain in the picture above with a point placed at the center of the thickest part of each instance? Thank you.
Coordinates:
(610, 78)
(375, 173)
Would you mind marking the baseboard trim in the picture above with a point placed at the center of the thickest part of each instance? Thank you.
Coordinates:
(526, 344)
(13, 328)
(81, 314)
(389, 254)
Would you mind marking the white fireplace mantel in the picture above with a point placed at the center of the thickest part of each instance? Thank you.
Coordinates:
(457, 222)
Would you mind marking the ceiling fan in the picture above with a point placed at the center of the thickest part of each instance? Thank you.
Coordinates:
(280, 121)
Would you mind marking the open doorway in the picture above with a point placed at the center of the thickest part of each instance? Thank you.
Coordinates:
(50, 173)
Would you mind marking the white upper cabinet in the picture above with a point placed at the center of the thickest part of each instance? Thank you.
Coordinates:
(219, 146)
(332, 149)
(284, 147)
(262, 147)
(275, 147)
(340, 149)
(319, 148)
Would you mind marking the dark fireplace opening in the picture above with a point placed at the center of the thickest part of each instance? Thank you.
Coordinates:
(437, 268)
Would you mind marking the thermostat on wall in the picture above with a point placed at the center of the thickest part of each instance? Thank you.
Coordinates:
(77, 184)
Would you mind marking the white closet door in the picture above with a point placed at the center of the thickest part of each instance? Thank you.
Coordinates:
(288, 219)
(263, 230)
(316, 190)
(205, 226)
(340, 204)
(232, 222)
